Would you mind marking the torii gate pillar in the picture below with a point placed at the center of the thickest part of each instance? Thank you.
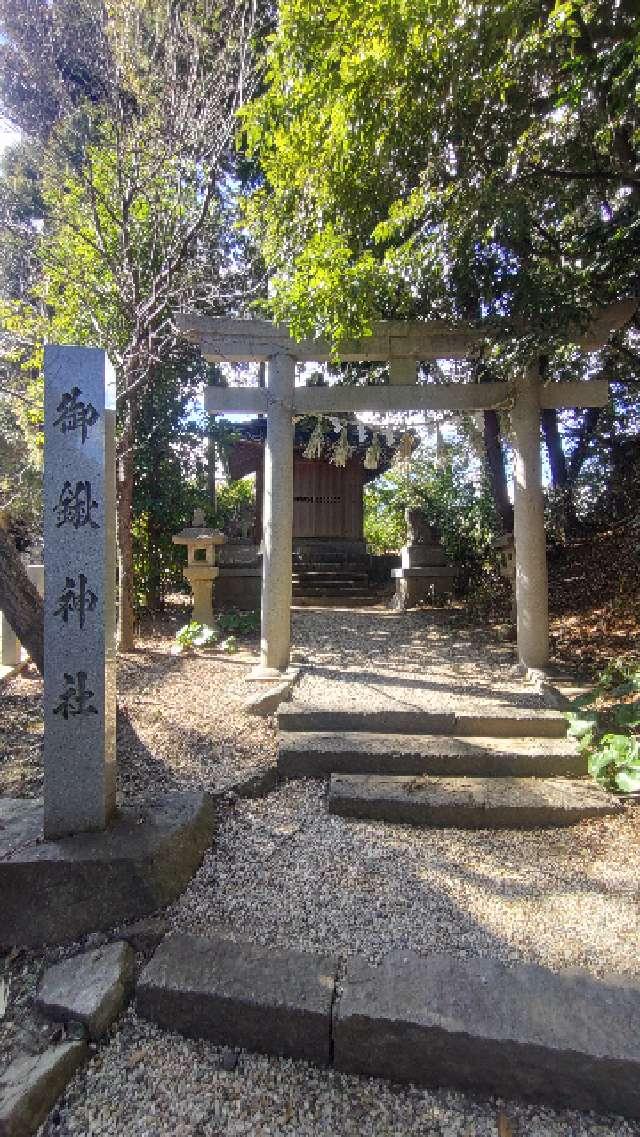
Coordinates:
(532, 590)
(275, 632)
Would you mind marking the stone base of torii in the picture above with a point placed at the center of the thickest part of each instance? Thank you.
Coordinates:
(403, 345)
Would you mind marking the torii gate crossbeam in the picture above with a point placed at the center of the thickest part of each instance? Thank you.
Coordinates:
(402, 344)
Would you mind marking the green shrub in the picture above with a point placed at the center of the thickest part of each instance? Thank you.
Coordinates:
(196, 635)
(461, 510)
(240, 622)
(223, 632)
(606, 722)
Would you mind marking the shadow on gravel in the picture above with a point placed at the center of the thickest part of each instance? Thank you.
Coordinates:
(377, 683)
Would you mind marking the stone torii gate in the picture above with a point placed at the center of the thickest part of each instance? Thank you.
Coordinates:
(402, 345)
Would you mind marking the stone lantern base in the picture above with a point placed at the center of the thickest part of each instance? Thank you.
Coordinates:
(201, 578)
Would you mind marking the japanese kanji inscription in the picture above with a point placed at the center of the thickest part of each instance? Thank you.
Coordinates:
(79, 505)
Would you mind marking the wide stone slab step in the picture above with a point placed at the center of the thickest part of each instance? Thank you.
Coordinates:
(335, 592)
(239, 994)
(502, 722)
(303, 754)
(329, 574)
(335, 600)
(469, 803)
(524, 1032)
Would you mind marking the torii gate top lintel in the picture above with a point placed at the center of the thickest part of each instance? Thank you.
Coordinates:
(224, 340)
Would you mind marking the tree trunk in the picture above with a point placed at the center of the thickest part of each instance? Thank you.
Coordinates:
(21, 602)
(581, 449)
(211, 464)
(562, 503)
(495, 466)
(126, 609)
(553, 442)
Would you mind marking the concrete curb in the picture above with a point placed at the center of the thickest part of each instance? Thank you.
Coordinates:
(32, 1084)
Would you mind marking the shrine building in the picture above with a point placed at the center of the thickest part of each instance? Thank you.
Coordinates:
(329, 552)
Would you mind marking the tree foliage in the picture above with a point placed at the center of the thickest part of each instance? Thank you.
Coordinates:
(459, 505)
(442, 158)
(132, 106)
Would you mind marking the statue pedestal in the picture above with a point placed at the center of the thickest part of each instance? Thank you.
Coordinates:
(418, 585)
(424, 573)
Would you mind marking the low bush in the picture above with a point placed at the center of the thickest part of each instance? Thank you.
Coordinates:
(606, 722)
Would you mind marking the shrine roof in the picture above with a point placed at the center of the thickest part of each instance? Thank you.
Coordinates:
(245, 450)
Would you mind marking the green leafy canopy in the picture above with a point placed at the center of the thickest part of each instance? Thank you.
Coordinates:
(445, 158)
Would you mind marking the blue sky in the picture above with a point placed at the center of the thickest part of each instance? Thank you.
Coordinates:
(7, 135)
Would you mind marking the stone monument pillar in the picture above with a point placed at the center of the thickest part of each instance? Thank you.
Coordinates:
(424, 567)
(201, 568)
(79, 596)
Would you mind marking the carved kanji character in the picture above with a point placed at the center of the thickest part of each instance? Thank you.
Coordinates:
(76, 506)
(73, 413)
(76, 698)
(80, 599)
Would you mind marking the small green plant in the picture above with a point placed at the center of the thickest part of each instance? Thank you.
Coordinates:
(227, 627)
(196, 635)
(239, 622)
(605, 721)
(230, 645)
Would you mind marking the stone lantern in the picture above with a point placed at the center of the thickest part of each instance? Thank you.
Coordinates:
(201, 569)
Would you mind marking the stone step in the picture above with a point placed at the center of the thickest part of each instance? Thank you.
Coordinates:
(516, 1032)
(329, 566)
(237, 993)
(328, 587)
(335, 600)
(503, 722)
(333, 573)
(523, 1032)
(469, 803)
(317, 755)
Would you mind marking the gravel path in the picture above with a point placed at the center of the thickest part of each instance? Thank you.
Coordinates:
(284, 872)
(380, 659)
(147, 1083)
(181, 723)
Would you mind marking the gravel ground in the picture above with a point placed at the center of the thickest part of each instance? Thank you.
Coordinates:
(181, 723)
(287, 873)
(284, 872)
(380, 659)
(147, 1083)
